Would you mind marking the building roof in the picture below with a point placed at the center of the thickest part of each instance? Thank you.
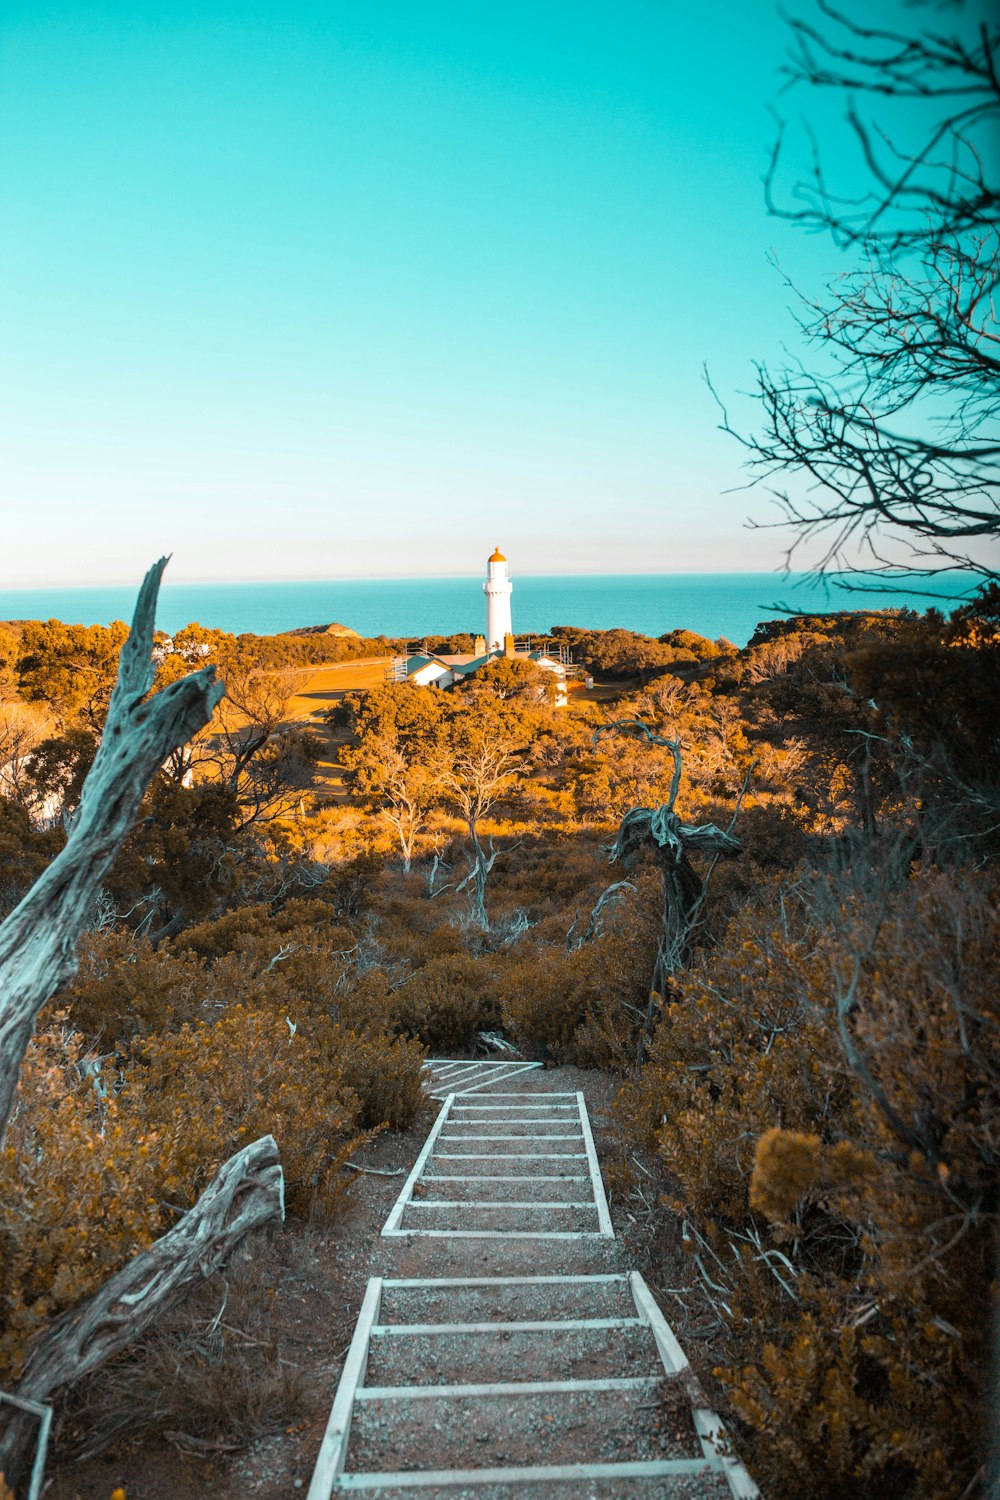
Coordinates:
(497, 556)
(417, 663)
(476, 662)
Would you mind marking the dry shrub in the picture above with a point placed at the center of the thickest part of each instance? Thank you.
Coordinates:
(219, 1084)
(80, 1187)
(384, 1073)
(246, 928)
(411, 931)
(585, 1005)
(210, 1370)
(837, 1215)
(541, 997)
(126, 987)
(447, 1002)
(361, 1002)
(100, 1155)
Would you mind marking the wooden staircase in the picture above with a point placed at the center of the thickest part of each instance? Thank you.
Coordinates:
(558, 1382)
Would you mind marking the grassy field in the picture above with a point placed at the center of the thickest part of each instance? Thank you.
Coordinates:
(321, 690)
(326, 685)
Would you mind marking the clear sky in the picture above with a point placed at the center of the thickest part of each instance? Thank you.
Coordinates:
(333, 288)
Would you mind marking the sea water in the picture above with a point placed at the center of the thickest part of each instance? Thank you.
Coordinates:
(713, 604)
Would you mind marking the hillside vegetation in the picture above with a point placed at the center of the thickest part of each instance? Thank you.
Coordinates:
(815, 1073)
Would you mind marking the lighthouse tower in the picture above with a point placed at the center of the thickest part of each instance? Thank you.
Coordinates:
(497, 589)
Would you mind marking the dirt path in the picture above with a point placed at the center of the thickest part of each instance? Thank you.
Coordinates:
(503, 1347)
(316, 1278)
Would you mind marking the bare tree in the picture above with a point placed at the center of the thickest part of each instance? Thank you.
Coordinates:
(23, 726)
(38, 955)
(889, 433)
(672, 842)
(408, 791)
(249, 743)
(476, 776)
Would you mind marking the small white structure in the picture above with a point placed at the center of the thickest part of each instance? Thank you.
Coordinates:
(429, 671)
(558, 668)
(497, 589)
(426, 670)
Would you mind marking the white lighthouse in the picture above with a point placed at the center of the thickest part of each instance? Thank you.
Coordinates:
(497, 589)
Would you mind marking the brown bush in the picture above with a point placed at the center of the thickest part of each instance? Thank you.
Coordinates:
(384, 1073)
(447, 1002)
(80, 1186)
(216, 1085)
(854, 1347)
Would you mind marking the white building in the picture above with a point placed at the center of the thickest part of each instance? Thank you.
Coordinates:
(444, 671)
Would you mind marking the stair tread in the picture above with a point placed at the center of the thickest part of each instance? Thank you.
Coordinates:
(429, 1432)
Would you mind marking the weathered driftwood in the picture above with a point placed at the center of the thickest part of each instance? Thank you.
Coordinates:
(247, 1193)
(672, 841)
(38, 940)
(480, 866)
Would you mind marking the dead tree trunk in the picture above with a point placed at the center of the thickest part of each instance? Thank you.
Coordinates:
(38, 940)
(38, 955)
(247, 1193)
(660, 829)
(475, 882)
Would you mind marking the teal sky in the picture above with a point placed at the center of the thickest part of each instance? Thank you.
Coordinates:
(364, 287)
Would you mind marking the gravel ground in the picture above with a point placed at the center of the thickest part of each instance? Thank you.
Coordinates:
(483, 1432)
(319, 1286)
(675, 1487)
(486, 1189)
(509, 1304)
(564, 1354)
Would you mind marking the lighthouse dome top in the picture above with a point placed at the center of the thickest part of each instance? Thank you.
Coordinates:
(497, 556)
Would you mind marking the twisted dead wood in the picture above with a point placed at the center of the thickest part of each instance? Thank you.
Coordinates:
(38, 955)
(247, 1193)
(660, 829)
(38, 940)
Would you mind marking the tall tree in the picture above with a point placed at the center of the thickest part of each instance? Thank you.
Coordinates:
(396, 758)
(880, 445)
(71, 668)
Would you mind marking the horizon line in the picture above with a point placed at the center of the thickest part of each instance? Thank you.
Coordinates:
(777, 573)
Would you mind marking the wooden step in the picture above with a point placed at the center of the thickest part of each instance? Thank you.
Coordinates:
(427, 1216)
(567, 1353)
(505, 1299)
(503, 1187)
(484, 1430)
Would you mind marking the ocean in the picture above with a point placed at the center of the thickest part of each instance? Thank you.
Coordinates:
(713, 604)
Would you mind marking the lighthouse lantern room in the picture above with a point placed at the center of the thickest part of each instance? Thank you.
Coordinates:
(497, 589)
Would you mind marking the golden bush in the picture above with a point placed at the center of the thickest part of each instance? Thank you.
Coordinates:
(447, 1002)
(836, 1208)
(220, 1084)
(81, 1186)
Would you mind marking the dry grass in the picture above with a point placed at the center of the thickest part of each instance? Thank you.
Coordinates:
(208, 1377)
(324, 687)
(320, 690)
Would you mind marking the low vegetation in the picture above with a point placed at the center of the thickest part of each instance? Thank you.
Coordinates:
(816, 1071)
